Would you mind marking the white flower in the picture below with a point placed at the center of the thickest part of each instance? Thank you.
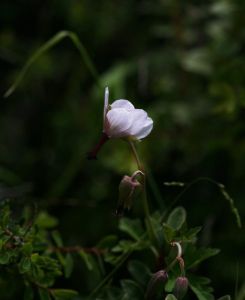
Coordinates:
(122, 120)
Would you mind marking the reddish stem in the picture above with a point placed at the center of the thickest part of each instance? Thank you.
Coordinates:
(93, 154)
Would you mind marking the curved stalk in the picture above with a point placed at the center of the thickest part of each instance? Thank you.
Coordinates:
(151, 232)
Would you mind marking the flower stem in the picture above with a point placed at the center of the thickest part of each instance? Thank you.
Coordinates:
(136, 156)
(150, 228)
(93, 153)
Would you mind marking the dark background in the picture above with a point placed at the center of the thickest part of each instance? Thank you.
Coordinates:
(182, 61)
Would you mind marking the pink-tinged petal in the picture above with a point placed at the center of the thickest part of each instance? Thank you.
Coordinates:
(122, 103)
(145, 130)
(106, 101)
(141, 125)
(117, 122)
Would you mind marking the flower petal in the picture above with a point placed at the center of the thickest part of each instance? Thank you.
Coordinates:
(122, 103)
(118, 121)
(145, 130)
(141, 125)
(106, 101)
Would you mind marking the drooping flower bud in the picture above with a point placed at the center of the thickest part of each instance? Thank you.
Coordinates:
(180, 287)
(127, 189)
(159, 278)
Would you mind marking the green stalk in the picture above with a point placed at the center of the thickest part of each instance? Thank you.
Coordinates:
(47, 46)
(151, 232)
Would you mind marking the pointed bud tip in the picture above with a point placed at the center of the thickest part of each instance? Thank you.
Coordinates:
(157, 279)
(181, 287)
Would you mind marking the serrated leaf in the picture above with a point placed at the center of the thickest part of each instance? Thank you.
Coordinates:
(63, 294)
(139, 271)
(170, 297)
(132, 227)
(177, 218)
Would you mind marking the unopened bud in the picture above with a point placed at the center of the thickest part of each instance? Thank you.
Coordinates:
(180, 287)
(127, 189)
(156, 280)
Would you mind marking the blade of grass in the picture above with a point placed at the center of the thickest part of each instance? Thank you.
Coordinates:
(221, 188)
(57, 38)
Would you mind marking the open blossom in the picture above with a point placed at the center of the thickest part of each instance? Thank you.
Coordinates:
(122, 120)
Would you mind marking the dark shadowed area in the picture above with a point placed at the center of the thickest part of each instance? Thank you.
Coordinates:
(181, 61)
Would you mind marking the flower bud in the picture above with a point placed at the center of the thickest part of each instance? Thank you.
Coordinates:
(127, 188)
(180, 287)
(156, 280)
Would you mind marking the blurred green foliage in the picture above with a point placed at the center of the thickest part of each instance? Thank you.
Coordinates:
(182, 61)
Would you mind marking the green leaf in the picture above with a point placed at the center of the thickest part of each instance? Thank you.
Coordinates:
(107, 242)
(195, 256)
(57, 238)
(139, 271)
(191, 235)
(87, 259)
(27, 249)
(69, 264)
(44, 294)
(25, 265)
(45, 221)
(113, 293)
(5, 216)
(125, 246)
(4, 258)
(202, 294)
(226, 297)
(177, 218)
(200, 287)
(168, 232)
(132, 227)
(28, 294)
(131, 290)
(169, 286)
(63, 294)
(170, 297)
